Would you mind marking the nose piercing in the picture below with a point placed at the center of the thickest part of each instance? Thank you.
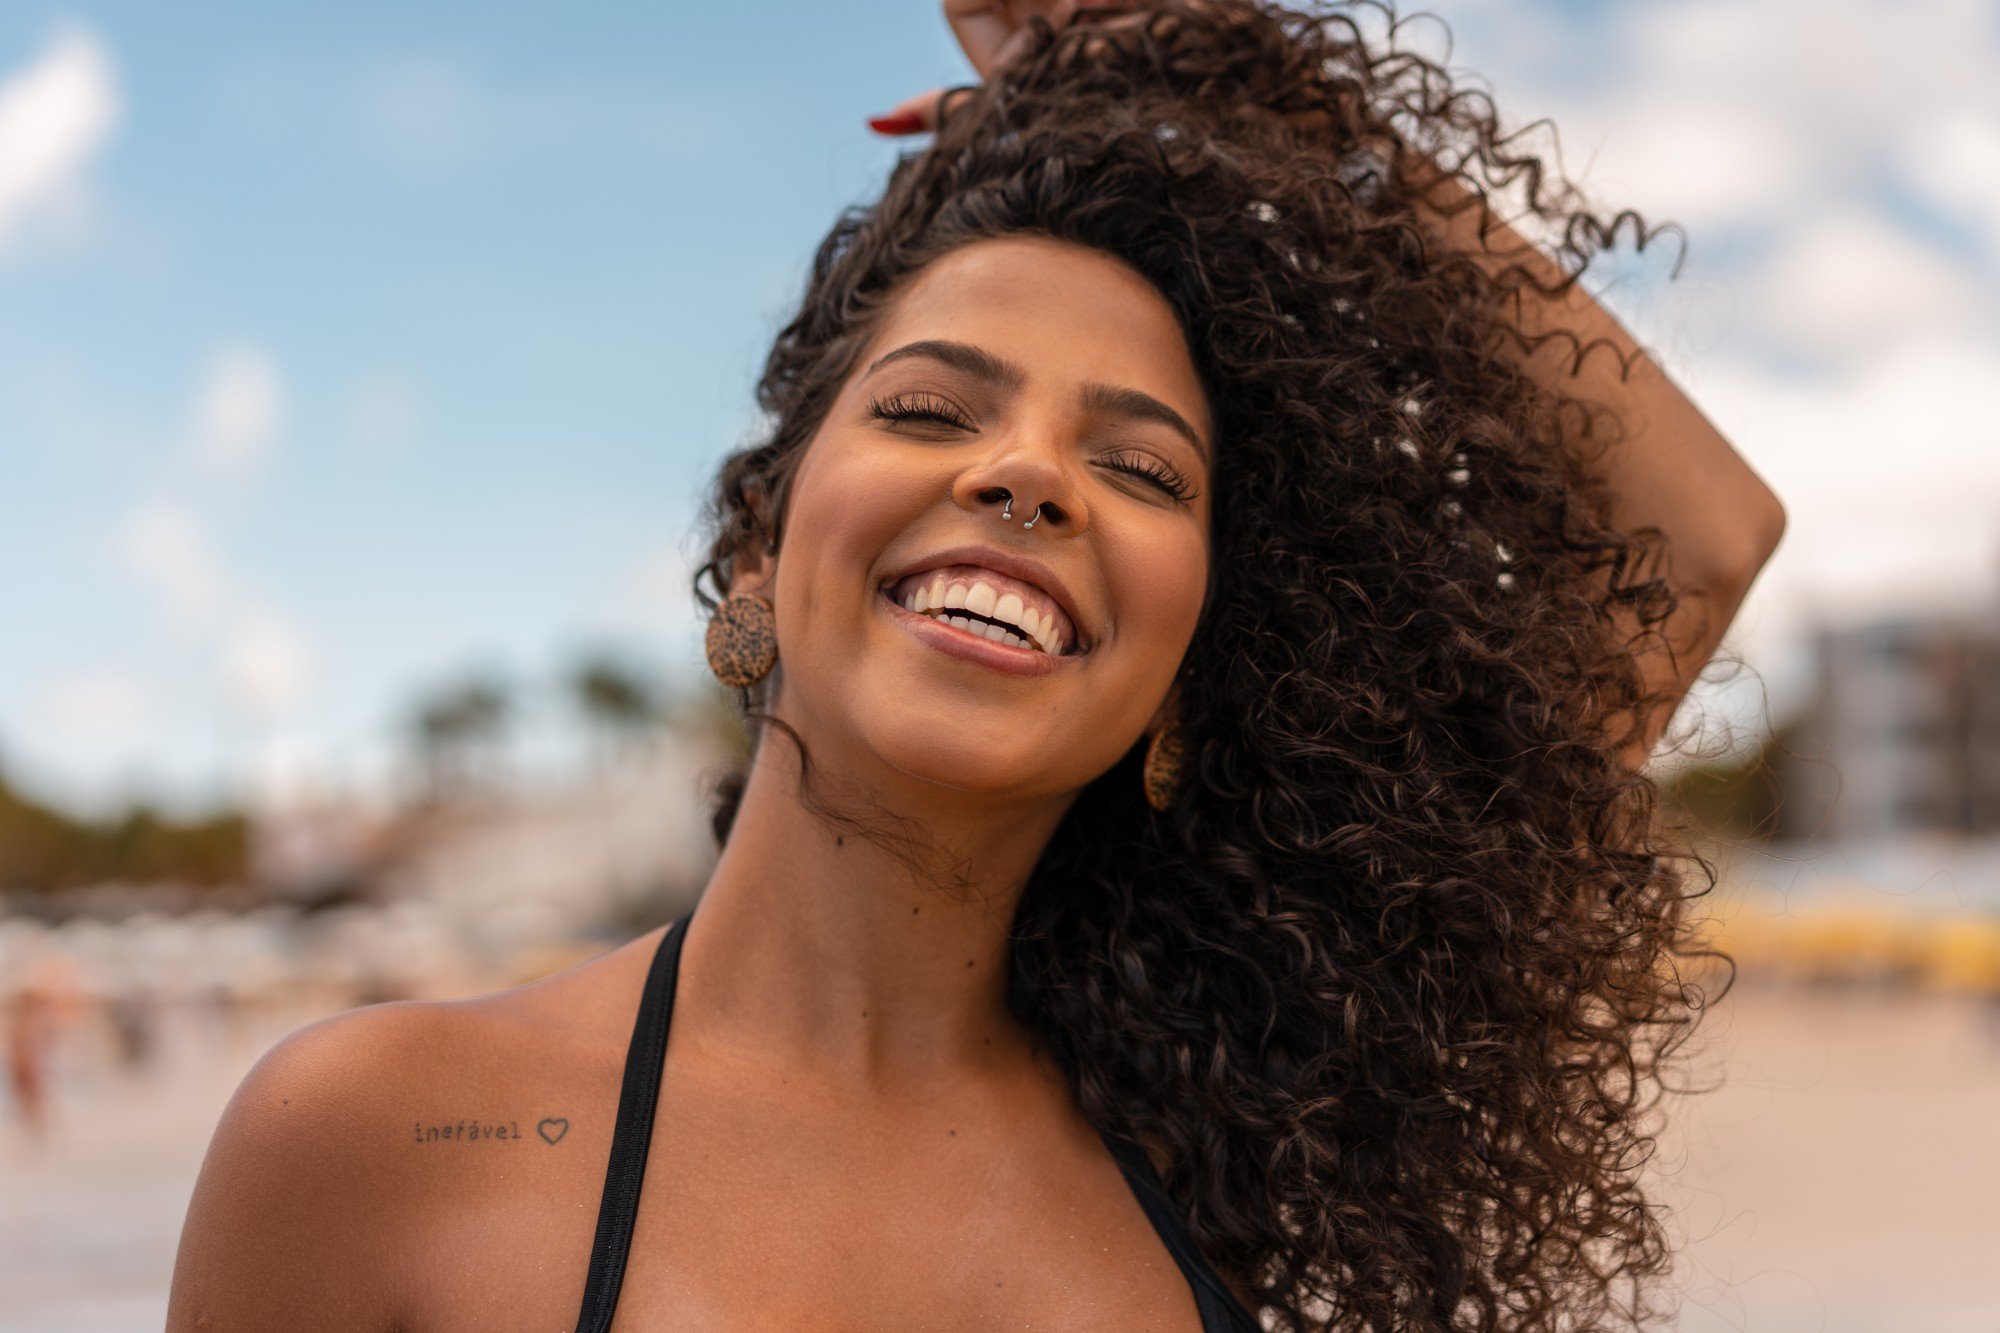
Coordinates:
(1008, 512)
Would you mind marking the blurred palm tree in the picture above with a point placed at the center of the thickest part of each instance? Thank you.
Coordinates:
(708, 713)
(621, 703)
(44, 849)
(459, 731)
(1742, 797)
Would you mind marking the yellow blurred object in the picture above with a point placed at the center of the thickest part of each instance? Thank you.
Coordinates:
(1858, 943)
(1963, 955)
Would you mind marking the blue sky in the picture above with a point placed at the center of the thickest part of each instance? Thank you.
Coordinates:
(486, 288)
(343, 348)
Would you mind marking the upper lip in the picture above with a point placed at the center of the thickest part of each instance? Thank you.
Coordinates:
(1025, 568)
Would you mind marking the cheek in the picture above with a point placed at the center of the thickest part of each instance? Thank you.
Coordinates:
(1158, 590)
(846, 509)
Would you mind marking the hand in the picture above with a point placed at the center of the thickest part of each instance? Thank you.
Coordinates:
(991, 33)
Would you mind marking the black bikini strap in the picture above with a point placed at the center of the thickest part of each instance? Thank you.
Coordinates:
(1216, 1301)
(625, 1174)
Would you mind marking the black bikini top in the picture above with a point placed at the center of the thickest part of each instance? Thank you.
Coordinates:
(625, 1173)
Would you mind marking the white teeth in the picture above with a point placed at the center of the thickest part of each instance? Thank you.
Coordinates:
(1032, 627)
(918, 600)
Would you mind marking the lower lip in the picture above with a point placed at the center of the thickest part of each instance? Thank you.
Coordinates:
(971, 647)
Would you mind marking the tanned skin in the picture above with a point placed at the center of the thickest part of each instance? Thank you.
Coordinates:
(853, 1132)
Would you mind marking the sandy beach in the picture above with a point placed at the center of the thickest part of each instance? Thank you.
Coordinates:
(1840, 1179)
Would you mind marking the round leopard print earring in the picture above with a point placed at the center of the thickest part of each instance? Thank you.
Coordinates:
(742, 639)
(1163, 766)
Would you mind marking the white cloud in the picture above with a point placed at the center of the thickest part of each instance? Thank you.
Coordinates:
(1702, 158)
(1852, 284)
(1954, 161)
(267, 666)
(240, 410)
(93, 707)
(258, 661)
(1891, 478)
(55, 116)
(1754, 113)
(1791, 139)
(1843, 76)
(169, 550)
(265, 663)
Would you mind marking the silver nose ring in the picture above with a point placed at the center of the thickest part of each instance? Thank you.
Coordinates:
(1008, 512)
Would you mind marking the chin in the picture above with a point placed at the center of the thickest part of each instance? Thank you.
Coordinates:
(966, 761)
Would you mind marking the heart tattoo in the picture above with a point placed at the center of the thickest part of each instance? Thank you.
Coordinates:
(552, 1129)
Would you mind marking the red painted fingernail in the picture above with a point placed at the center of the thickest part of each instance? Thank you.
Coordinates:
(909, 122)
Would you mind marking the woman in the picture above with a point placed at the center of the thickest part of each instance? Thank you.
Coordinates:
(1201, 623)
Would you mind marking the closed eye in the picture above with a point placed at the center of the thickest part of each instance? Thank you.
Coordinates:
(1162, 476)
(921, 406)
(918, 407)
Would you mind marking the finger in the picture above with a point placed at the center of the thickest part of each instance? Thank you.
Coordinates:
(912, 115)
(981, 27)
(993, 32)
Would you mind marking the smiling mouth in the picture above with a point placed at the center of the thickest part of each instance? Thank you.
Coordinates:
(978, 598)
(1027, 653)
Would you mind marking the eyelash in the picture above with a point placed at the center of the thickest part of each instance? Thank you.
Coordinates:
(926, 407)
(918, 407)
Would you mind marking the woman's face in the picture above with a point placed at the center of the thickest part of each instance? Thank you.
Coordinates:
(1049, 371)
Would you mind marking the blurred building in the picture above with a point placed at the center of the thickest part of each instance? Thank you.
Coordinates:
(623, 849)
(324, 848)
(1902, 736)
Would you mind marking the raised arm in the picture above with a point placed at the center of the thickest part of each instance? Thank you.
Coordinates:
(1672, 470)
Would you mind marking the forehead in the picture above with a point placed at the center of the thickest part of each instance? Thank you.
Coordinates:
(1064, 312)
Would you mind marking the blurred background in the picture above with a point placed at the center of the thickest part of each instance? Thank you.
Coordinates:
(361, 369)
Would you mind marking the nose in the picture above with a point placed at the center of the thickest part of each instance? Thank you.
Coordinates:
(1031, 482)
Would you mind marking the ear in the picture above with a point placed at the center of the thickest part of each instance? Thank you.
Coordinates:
(753, 570)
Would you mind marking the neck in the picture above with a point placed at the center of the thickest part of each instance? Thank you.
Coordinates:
(824, 950)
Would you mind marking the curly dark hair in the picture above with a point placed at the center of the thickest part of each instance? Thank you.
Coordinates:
(1390, 988)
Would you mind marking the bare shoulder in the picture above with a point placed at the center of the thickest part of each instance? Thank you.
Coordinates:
(359, 1142)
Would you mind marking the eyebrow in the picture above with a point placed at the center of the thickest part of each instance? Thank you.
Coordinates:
(1107, 398)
